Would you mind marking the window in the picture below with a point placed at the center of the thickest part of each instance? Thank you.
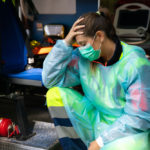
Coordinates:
(55, 6)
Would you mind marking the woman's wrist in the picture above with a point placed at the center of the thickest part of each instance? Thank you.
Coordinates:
(66, 42)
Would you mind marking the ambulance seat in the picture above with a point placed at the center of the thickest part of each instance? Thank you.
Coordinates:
(31, 77)
(25, 79)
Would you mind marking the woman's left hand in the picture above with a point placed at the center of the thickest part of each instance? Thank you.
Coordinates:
(94, 146)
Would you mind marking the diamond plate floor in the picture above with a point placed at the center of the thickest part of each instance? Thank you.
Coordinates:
(44, 139)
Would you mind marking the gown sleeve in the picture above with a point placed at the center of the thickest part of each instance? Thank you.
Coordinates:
(136, 115)
(60, 67)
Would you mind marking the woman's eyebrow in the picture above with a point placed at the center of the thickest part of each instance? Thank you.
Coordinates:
(81, 42)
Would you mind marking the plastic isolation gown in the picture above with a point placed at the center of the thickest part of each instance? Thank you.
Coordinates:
(116, 101)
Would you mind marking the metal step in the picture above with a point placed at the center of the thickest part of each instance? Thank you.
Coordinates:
(45, 139)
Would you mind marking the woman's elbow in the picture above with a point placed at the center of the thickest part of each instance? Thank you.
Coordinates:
(45, 80)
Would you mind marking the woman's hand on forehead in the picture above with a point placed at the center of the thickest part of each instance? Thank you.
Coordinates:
(74, 31)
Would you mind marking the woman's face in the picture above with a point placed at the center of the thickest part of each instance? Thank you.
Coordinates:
(84, 40)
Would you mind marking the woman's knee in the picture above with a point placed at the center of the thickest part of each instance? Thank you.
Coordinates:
(53, 97)
(56, 95)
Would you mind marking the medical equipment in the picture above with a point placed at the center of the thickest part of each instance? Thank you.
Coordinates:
(132, 20)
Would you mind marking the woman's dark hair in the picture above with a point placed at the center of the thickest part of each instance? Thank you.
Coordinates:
(94, 21)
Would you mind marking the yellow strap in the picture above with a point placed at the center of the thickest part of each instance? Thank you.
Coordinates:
(13, 1)
(121, 56)
(122, 43)
(54, 98)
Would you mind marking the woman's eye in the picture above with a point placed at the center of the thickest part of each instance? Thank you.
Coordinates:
(83, 44)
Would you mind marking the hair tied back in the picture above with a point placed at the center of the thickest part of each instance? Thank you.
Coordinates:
(98, 13)
(103, 14)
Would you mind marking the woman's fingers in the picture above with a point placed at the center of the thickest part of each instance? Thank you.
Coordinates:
(78, 33)
(75, 30)
(78, 27)
(77, 21)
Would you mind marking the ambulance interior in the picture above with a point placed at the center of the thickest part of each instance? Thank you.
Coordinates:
(28, 31)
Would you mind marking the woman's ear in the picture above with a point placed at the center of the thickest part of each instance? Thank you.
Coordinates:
(100, 35)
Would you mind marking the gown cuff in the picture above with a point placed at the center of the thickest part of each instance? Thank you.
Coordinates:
(99, 141)
(65, 43)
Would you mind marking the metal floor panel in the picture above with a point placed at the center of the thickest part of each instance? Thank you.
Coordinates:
(45, 139)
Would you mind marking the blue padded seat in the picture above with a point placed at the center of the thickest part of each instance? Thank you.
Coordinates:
(31, 77)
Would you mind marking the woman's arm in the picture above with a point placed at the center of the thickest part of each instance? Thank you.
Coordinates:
(60, 68)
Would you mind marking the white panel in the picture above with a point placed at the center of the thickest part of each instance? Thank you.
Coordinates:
(55, 6)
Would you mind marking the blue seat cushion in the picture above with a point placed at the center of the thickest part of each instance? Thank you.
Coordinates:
(31, 74)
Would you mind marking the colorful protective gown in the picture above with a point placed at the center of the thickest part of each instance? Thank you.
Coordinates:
(116, 100)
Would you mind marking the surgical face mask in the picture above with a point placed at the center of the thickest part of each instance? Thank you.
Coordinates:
(88, 52)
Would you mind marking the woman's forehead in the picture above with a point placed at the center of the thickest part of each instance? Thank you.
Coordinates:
(82, 38)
